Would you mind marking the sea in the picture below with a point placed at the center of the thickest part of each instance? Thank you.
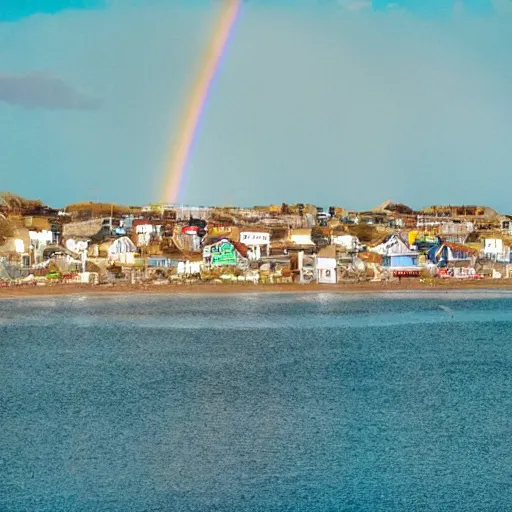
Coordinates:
(257, 402)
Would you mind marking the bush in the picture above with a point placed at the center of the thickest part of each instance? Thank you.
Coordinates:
(6, 230)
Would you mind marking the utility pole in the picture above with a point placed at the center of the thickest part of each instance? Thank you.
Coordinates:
(84, 260)
(145, 262)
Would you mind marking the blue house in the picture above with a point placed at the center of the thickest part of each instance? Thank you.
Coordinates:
(158, 261)
(449, 252)
(405, 260)
(399, 257)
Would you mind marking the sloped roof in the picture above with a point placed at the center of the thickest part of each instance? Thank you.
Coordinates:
(241, 248)
(254, 229)
(460, 247)
(300, 231)
(328, 251)
(50, 250)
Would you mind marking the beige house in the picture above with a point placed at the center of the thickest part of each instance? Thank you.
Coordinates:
(301, 237)
(17, 247)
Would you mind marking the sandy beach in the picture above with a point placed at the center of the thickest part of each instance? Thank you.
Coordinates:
(233, 288)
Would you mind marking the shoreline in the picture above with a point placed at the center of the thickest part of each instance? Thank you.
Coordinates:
(245, 288)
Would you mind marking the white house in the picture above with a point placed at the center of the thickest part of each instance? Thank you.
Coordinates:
(40, 239)
(77, 246)
(326, 265)
(145, 232)
(495, 250)
(506, 224)
(392, 245)
(348, 242)
(301, 237)
(398, 256)
(256, 241)
(121, 246)
(189, 268)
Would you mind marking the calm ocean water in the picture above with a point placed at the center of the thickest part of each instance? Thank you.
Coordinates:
(257, 402)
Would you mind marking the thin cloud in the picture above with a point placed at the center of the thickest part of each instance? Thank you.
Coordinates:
(38, 90)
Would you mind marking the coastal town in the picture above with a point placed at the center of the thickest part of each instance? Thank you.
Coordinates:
(103, 244)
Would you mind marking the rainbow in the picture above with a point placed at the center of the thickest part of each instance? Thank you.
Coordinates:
(198, 98)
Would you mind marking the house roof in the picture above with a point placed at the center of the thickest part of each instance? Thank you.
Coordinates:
(49, 251)
(254, 229)
(300, 231)
(327, 252)
(459, 247)
(241, 248)
(148, 222)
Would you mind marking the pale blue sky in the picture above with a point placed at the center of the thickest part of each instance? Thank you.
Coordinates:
(331, 102)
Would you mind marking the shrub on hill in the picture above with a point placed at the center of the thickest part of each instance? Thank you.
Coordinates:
(14, 203)
(5, 230)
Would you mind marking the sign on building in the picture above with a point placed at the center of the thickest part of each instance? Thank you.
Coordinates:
(251, 238)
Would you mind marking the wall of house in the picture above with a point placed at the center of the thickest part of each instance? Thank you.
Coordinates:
(496, 250)
(400, 261)
(158, 261)
(76, 245)
(493, 245)
(325, 263)
(189, 268)
(254, 238)
(257, 242)
(326, 270)
(349, 242)
(126, 258)
(254, 253)
(506, 225)
(327, 276)
(39, 240)
(122, 245)
(145, 232)
(301, 239)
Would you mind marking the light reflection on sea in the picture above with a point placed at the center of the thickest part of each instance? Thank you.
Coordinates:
(244, 311)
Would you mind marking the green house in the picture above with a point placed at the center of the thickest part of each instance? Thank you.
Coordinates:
(221, 254)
